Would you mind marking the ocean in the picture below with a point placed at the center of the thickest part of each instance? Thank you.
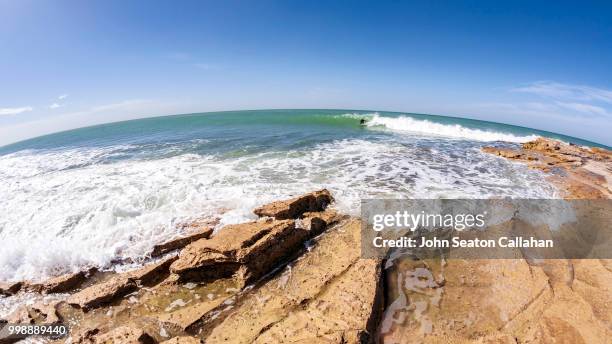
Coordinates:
(97, 195)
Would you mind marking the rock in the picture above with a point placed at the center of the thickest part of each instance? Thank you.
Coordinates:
(328, 289)
(153, 272)
(40, 312)
(183, 340)
(246, 251)
(86, 336)
(10, 288)
(126, 335)
(21, 315)
(186, 317)
(175, 244)
(317, 222)
(102, 293)
(119, 285)
(60, 284)
(579, 172)
(346, 311)
(460, 300)
(295, 207)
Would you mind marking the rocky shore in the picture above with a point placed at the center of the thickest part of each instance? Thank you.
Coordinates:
(295, 275)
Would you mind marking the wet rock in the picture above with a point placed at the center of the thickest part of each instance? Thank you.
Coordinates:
(187, 317)
(459, 300)
(246, 251)
(103, 293)
(125, 334)
(60, 284)
(119, 285)
(10, 288)
(317, 222)
(346, 310)
(178, 243)
(295, 207)
(40, 312)
(152, 273)
(86, 336)
(579, 172)
(328, 289)
(183, 340)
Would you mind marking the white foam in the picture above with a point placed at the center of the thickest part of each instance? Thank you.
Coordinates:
(424, 127)
(58, 220)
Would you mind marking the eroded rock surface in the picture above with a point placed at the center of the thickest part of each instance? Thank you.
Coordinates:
(103, 293)
(510, 301)
(295, 207)
(127, 335)
(246, 251)
(175, 244)
(61, 284)
(304, 296)
(580, 172)
(309, 285)
(10, 288)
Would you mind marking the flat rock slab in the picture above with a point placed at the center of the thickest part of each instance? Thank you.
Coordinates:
(10, 288)
(190, 315)
(346, 311)
(178, 243)
(120, 285)
(245, 250)
(295, 207)
(102, 293)
(153, 272)
(60, 284)
(301, 283)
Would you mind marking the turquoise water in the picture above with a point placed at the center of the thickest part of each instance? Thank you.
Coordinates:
(90, 196)
(235, 130)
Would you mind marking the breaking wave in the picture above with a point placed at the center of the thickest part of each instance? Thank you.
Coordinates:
(425, 127)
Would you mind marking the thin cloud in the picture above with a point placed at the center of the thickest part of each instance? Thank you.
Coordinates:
(585, 108)
(14, 111)
(62, 97)
(54, 106)
(561, 91)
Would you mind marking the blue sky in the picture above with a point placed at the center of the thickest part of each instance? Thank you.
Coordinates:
(66, 64)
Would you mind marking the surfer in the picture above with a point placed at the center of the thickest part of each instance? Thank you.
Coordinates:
(362, 121)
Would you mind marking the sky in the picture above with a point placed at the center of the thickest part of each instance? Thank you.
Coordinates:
(67, 64)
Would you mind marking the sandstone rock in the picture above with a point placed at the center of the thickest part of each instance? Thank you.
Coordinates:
(21, 315)
(60, 284)
(153, 272)
(317, 222)
(102, 293)
(40, 312)
(119, 285)
(329, 283)
(579, 172)
(10, 288)
(127, 335)
(186, 317)
(346, 311)
(175, 244)
(85, 336)
(429, 301)
(183, 340)
(246, 251)
(295, 207)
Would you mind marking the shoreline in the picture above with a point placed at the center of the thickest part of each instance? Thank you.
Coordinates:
(303, 257)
